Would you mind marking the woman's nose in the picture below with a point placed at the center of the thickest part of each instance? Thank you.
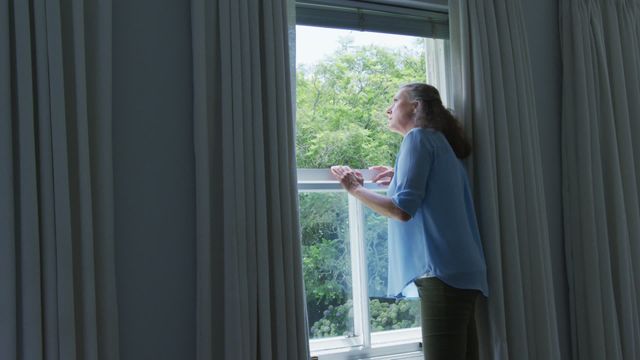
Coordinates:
(389, 111)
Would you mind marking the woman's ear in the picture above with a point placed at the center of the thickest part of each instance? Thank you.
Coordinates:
(416, 105)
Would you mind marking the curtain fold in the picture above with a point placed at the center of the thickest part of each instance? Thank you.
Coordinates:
(601, 162)
(57, 276)
(250, 300)
(493, 96)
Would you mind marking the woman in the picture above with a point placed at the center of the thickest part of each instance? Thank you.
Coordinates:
(433, 235)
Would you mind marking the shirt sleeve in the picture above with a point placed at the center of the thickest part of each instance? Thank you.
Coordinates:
(412, 170)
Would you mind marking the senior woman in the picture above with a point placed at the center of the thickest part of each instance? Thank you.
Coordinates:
(434, 241)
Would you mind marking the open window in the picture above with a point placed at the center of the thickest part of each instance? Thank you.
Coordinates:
(351, 58)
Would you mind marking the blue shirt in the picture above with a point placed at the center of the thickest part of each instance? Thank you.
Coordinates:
(442, 237)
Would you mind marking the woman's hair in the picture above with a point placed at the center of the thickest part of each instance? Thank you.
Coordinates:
(432, 114)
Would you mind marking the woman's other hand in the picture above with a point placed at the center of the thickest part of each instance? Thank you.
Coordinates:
(383, 176)
(349, 179)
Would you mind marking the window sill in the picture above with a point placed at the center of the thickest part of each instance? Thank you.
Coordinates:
(406, 351)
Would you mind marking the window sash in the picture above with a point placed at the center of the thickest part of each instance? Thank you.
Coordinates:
(364, 343)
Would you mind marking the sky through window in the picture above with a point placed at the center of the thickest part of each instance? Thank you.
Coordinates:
(314, 43)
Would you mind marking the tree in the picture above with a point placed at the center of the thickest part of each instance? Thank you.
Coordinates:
(342, 101)
(341, 119)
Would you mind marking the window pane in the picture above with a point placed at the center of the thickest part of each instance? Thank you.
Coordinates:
(345, 81)
(385, 313)
(327, 263)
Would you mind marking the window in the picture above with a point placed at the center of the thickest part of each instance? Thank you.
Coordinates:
(351, 57)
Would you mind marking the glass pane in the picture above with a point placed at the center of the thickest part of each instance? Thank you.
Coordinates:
(385, 313)
(327, 263)
(345, 81)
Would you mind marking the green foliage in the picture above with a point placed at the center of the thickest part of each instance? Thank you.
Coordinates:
(341, 119)
(338, 320)
(341, 105)
(375, 235)
(401, 314)
(326, 268)
(326, 263)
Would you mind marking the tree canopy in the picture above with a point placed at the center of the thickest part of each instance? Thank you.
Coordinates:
(341, 104)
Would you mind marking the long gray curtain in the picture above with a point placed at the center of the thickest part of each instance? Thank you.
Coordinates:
(250, 297)
(57, 277)
(493, 96)
(601, 174)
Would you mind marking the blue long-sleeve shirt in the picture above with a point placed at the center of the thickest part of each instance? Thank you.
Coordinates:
(442, 238)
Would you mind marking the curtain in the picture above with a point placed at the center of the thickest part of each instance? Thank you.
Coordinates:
(493, 96)
(250, 296)
(601, 174)
(57, 277)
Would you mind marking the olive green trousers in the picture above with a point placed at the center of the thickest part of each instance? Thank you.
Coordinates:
(448, 321)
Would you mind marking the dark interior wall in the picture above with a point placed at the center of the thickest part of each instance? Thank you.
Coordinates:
(154, 179)
(543, 35)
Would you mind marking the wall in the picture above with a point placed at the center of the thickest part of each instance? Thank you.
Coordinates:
(543, 35)
(154, 179)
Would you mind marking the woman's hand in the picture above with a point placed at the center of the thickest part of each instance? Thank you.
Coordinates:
(383, 176)
(349, 179)
(352, 181)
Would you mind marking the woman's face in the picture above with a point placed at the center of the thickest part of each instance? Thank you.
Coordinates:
(401, 113)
